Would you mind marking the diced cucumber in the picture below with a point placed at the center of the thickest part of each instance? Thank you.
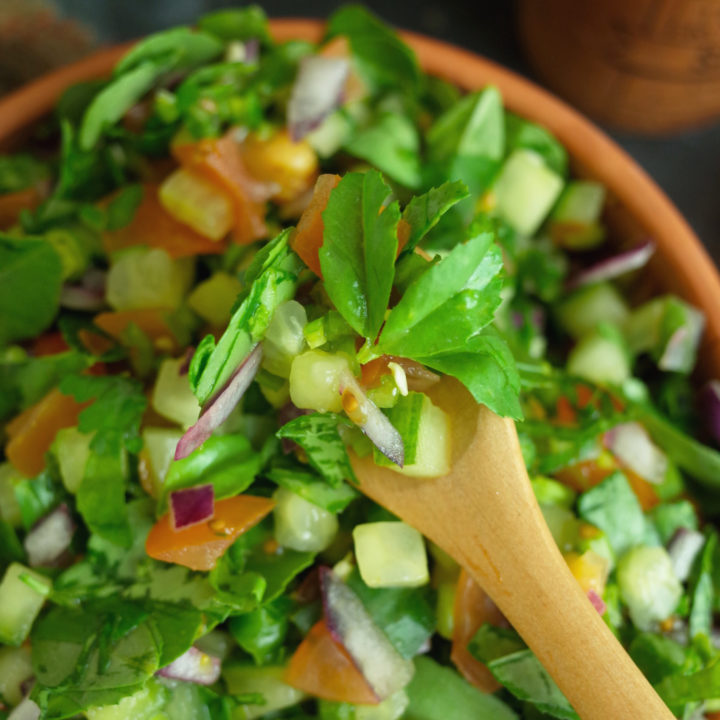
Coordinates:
(390, 554)
(72, 450)
(563, 525)
(148, 278)
(197, 202)
(160, 444)
(581, 313)
(172, 397)
(525, 191)
(315, 378)
(185, 702)
(551, 492)
(669, 329)
(648, 585)
(329, 137)
(433, 445)
(9, 507)
(284, 338)
(392, 708)
(302, 525)
(15, 669)
(574, 221)
(601, 357)
(22, 594)
(213, 299)
(144, 704)
(266, 681)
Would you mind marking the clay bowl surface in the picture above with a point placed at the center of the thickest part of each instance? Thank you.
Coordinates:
(637, 208)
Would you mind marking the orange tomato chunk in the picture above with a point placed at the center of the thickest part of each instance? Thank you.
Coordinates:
(33, 431)
(152, 321)
(323, 668)
(198, 547)
(12, 204)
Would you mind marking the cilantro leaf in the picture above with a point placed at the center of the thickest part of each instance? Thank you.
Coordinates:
(237, 24)
(30, 281)
(359, 248)
(317, 434)
(521, 133)
(274, 280)
(701, 595)
(18, 172)
(424, 211)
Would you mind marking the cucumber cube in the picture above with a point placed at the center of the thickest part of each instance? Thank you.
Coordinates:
(315, 378)
(302, 525)
(172, 397)
(600, 358)
(574, 222)
(214, 298)
(390, 554)
(15, 669)
(433, 446)
(526, 190)
(72, 449)
(265, 681)
(160, 444)
(20, 602)
(9, 508)
(284, 338)
(581, 313)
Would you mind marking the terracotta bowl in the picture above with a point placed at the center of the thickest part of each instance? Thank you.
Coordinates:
(637, 208)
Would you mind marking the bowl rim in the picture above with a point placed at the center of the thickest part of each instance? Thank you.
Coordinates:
(588, 146)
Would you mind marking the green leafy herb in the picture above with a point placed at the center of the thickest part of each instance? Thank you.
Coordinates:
(668, 518)
(261, 632)
(701, 593)
(521, 133)
(359, 248)
(246, 23)
(30, 279)
(424, 211)
(18, 172)
(36, 497)
(657, 656)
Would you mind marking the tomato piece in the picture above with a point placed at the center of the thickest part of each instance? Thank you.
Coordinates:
(12, 204)
(323, 668)
(565, 414)
(198, 547)
(307, 238)
(473, 608)
(33, 431)
(50, 343)
(154, 227)
(152, 321)
(585, 474)
(644, 490)
(220, 161)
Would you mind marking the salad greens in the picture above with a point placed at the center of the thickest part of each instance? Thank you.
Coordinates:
(233, 274)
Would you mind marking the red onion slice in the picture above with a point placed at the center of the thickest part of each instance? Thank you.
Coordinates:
(219, 408)
(88, 294)
(710, 408)
(597, 602)
(615, 266)
(683, 548)
(191, 506)
(27, 710)
(385, 670)
(371, 420)
(318, 90)
(193, 666)
(50, 537)
(632, 446)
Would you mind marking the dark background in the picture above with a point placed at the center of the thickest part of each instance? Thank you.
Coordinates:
(685, 165)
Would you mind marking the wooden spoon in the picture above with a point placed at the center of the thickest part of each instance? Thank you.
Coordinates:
(484, 514)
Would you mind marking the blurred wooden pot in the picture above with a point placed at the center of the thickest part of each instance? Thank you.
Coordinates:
(651, 66)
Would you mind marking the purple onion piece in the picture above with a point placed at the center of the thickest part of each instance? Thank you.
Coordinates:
(710, 408)
(77, 297)
(252, 50)
(318, 90)
(191, 506)
(683, 548)
(632, 446)
(50, 537)
(219, 408)
(27, 710)
(597, 602)
(184, 368)
(372, 421)
(615, 266)
(193, 666)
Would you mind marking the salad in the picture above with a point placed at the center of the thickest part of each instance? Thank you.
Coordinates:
(236, 263)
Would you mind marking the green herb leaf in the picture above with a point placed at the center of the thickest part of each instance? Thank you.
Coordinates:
(424, 211)
(30, 280)
(317, 434)
(18, 172)
(657, 656)
(701, 593)
(521, 133)
(359, 248)
(677, 689)
(261, 632)
(246, 23)
(36, 497)
(668, 518)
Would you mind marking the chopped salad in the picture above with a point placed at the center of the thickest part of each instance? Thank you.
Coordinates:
(237, 262)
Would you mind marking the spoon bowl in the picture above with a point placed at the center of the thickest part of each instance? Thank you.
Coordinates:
(484, 514)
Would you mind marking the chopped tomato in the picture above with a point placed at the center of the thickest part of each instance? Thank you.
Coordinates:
(307, 238)
(323, 668)
(33, 430)
(565, 414)
(199, 546)
(50, 343)
(153, 226)
(473, 608)
(403, 234)
(644, 491)
(12, 204)
(586, 474)
(220, 161)
(152, 321)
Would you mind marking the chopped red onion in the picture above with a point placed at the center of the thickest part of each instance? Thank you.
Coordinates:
(679, 351)
(219, 408)
(27, 710)
(318, 90)
(615, 266)
(633, 447)
(385, 670)
(50, 537)
(193, 666)
(191, 506)
(710, 408)
(371, 420)
(77, 297)
(597, 602)
(184, 368)
(683, 548)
